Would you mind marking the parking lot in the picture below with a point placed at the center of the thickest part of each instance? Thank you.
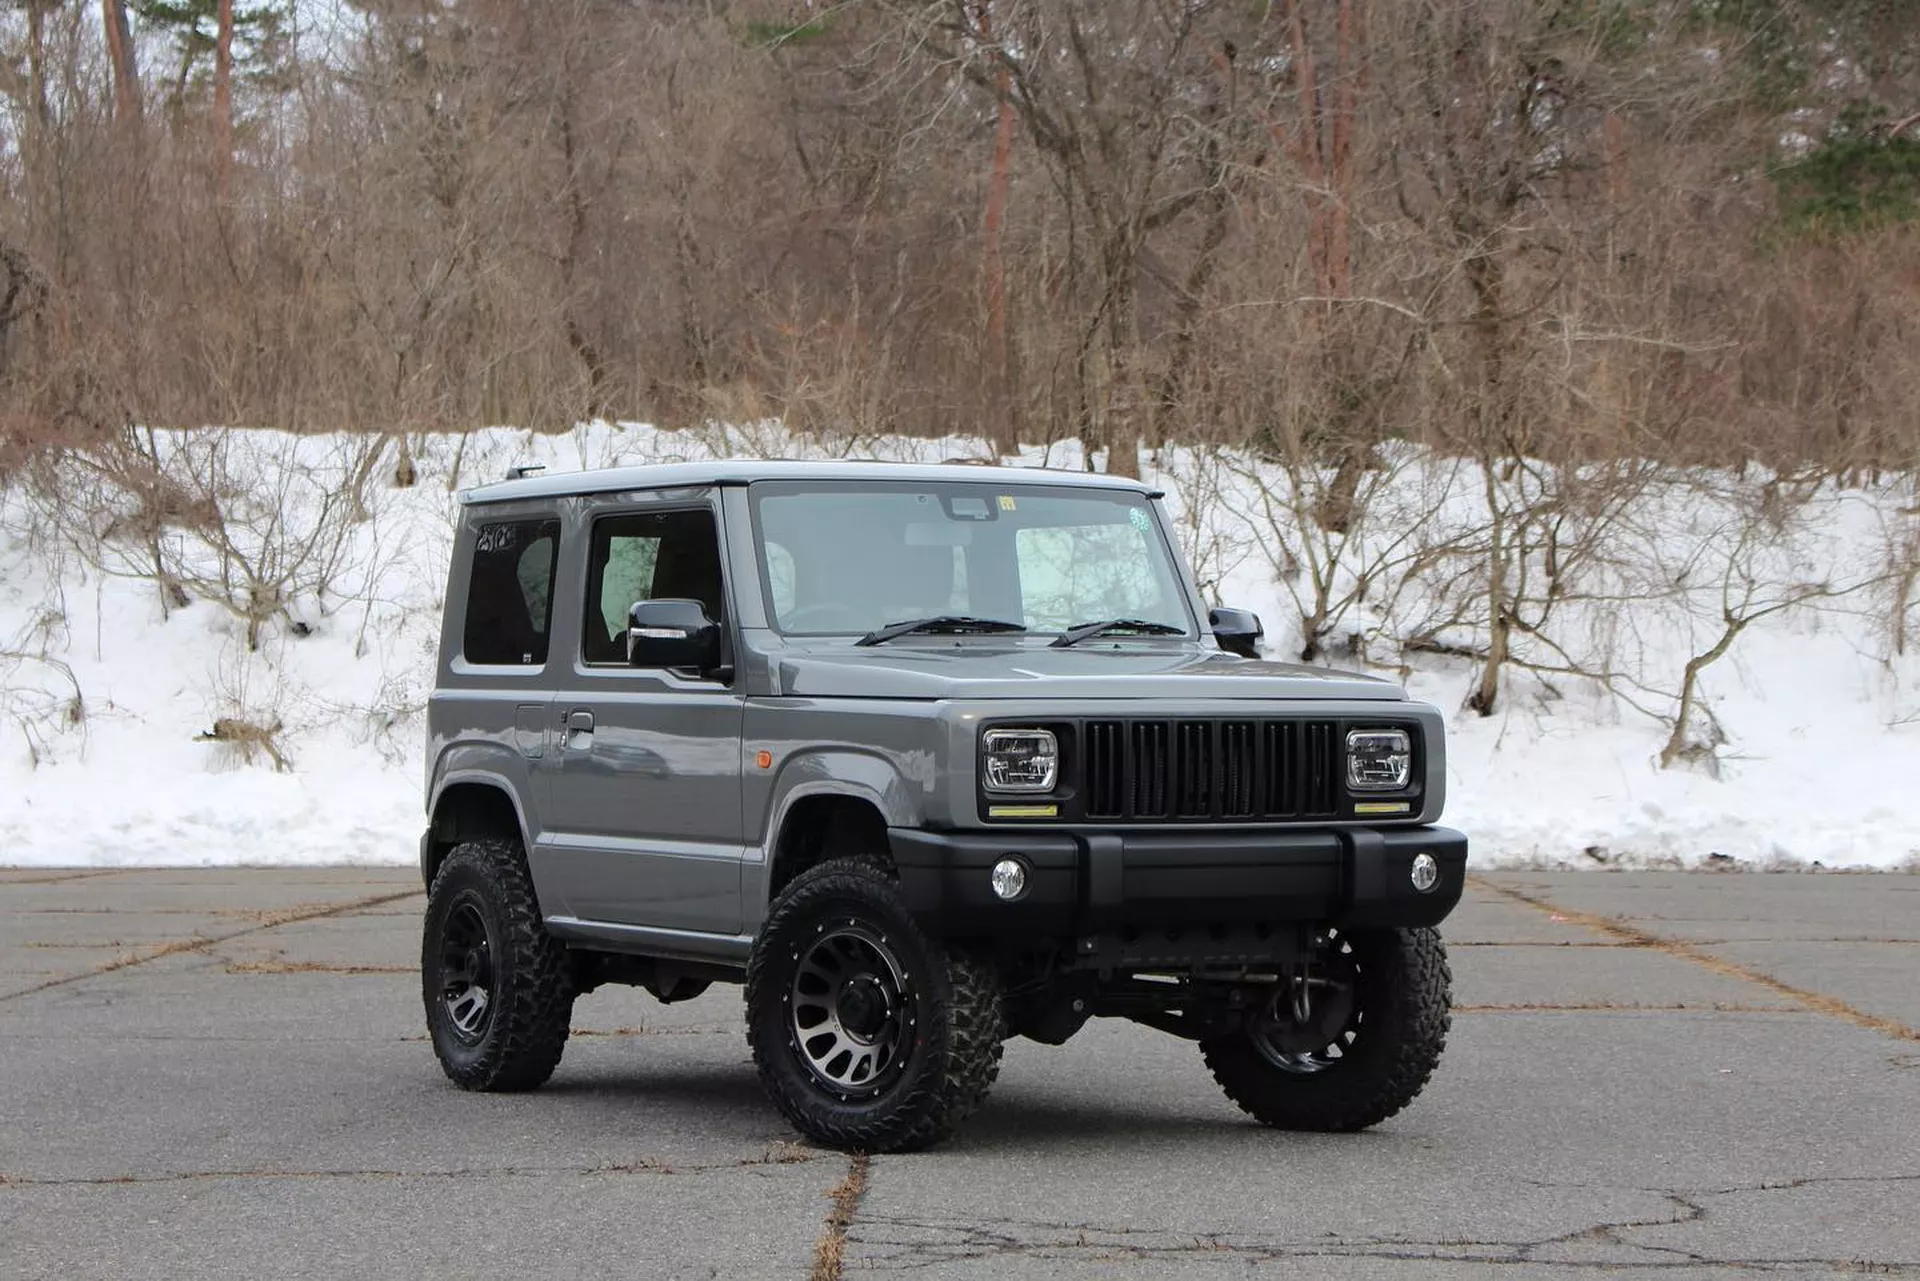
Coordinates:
(224, 1074)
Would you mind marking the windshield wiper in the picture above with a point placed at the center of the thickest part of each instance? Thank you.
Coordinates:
(1140, 626)
(938, 623)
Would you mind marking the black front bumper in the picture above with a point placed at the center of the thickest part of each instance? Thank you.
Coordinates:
(1085, 883)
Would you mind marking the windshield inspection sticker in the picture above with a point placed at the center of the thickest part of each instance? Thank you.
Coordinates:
(1006, 502)
(1141, 521)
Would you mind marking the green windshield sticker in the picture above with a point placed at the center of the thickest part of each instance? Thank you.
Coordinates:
(1141, 521)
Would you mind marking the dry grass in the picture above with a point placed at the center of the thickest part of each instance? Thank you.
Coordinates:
(315, 967)
(1803, 998)
(246, 738)
(829, 1252)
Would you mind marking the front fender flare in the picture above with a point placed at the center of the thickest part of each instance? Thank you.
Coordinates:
(844, 772)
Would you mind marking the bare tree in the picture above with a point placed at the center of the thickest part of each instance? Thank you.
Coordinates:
(993, 265)
(120, 49)
(223, 99)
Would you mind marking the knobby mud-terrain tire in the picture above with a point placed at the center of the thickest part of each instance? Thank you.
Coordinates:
(497, 986)
(869, 1035)
(1387, 1047)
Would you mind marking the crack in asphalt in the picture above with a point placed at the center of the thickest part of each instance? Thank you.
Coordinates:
(58, 878)
(643, 1030)
(829, 1252)
(199, 943)
(621, 1031)
(1816, 1001)
(239, 912)
(1628, 1007)
(1618, 944)
(968, 1240)
(314, 967)
(1808, 1181)
(1654, 942)
(782, 1152)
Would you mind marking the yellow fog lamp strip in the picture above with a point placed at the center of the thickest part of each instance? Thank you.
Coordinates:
(1023, 811)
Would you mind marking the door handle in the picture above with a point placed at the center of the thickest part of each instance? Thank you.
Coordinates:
(579, 733)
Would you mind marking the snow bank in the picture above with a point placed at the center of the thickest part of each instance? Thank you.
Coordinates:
(108, 698)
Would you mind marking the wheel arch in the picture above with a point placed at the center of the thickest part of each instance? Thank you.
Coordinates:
(822, 822)
(470, 806)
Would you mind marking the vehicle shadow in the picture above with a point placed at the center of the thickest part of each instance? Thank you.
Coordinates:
(728, 1101)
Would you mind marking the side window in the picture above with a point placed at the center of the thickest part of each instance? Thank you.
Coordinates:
(510, 595)
(655, 556)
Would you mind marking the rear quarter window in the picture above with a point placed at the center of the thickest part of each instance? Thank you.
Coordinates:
(510, 593)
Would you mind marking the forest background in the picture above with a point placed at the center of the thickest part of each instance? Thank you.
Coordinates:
(1551, 343)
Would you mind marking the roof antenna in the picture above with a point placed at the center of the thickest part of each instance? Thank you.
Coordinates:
(524, 470)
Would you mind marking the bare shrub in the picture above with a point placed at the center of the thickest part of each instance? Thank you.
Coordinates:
(253, 523)
(41, 696)
(1739, 550)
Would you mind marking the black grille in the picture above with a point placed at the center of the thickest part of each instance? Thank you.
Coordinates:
(1211, 769)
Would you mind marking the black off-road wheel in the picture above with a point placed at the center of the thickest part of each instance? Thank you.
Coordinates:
(1348, 1039)
(497, 987)
(870, 1036)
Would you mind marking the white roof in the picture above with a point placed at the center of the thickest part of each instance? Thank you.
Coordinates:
(743, 471)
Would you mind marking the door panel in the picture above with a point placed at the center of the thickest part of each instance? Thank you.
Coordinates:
(644, 765)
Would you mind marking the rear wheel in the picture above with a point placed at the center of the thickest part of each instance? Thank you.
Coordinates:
(497, 988)
(868, 1034)
(1349, 1037)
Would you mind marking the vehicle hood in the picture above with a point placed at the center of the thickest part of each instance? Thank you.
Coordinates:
(973, 669)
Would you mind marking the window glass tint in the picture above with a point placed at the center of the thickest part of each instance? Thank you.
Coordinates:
(655, 556)
(510, 596)
(1082, 573)
(627, 578)
(850, 560)
(780, 578)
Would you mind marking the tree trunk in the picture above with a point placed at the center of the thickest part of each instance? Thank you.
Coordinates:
(1167, 401)
(578, 339)
(37, 65)
(1000, 425)
(126, 71)
(223, 101)
(1351, 76)
(1125, 397)
(1486, 692)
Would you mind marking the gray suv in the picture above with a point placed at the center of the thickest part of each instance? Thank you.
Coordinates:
(926, 757)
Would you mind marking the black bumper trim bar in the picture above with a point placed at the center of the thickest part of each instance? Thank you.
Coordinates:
(1083, 883)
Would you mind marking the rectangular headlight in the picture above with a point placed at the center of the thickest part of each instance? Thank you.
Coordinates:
(1379, 760)
(1022, 760)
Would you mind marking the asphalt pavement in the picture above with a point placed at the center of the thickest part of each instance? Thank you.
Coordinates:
(224, 1073)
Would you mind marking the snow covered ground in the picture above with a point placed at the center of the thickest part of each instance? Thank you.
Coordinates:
(105, 694)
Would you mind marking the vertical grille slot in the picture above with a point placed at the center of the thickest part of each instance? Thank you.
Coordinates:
(1193, 770)
(1317, 773)
(1282, 754)
(1106, 762)
(1150, 761)
(1238, 770)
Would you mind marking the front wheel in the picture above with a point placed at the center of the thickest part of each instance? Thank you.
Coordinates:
(1350, 1036)
(869, 1035)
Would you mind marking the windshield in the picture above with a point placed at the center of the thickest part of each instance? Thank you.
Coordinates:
(850, 559)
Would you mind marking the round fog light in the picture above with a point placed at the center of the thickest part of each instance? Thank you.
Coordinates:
(1010, 878)
(1426, 872)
